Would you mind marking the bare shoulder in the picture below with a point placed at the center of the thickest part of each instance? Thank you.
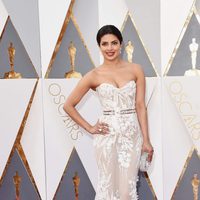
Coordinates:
(89, 74)
(134, 67)
(89, 78)
(137, 67)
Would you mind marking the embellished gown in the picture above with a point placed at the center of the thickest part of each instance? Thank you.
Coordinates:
(118, 152)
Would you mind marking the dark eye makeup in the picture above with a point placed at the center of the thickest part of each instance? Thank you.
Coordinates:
(104, 43)
(115, 42)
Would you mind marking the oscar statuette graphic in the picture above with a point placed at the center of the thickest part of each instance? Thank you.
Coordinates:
(72, 54)
(129, 51)
(193, 49)
(195, 186)
(12, 74)
(76, 182)
(17, 182)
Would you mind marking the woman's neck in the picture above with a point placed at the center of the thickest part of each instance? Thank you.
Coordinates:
(114, 63)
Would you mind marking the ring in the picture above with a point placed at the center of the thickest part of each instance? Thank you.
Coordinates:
(100, 129)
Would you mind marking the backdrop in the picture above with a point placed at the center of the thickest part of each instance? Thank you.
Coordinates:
(41, 147)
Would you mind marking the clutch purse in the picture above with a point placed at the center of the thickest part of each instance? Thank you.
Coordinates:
(144, 163)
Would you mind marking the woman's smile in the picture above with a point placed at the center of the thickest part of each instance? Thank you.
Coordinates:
(110, 54)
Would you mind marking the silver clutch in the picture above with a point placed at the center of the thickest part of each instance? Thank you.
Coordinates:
(144, 163)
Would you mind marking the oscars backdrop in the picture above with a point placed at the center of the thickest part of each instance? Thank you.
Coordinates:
(45, 49)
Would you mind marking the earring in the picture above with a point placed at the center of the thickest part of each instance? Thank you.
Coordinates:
(120, 50)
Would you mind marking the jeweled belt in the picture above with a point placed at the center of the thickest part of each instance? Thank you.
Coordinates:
(121, 112)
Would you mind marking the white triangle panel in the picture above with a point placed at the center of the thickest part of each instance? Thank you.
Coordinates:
(58, 145)
(172, 22)
(15, 97)
(89, 108)
(3, 16)
(116, 17)
(51, 15)
(151, 85)
(33, 141)
(154, 124)
(186, 97)
(88, 32)
(24, 15)
(176, 143)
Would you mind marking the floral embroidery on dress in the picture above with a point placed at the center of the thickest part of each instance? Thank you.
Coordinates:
(124, 158)
(115, 196)
(126, 146)
(133, 189)
(115, 151)
(103, 186)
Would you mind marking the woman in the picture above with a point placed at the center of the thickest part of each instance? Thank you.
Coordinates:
(121, 133)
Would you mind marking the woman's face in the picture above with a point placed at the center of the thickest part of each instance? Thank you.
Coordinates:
(110, 47)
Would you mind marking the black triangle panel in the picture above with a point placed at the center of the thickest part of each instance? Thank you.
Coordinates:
(61, 64)
(184, 190)
(144, 191)
(139, 54)
(182, 60)
(66, 188)
(27, 189)
(22, 62)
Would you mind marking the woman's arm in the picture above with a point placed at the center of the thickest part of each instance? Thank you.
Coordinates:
(142, 111)
(75, 97)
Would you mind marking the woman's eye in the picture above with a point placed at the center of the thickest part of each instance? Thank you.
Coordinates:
(115, 43)
(104, 44)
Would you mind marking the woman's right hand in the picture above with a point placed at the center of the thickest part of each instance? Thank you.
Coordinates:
(100, 128)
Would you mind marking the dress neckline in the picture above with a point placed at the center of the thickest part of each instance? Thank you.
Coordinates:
(118, 88)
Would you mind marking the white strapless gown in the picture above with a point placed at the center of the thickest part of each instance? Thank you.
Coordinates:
(118, 153)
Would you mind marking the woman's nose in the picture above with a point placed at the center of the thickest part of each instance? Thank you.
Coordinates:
(110, 47)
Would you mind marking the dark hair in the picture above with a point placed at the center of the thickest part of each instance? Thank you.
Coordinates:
(108, 29)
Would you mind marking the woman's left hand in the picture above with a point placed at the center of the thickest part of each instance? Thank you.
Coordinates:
(147, 147)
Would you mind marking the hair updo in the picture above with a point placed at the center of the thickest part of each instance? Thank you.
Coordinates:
(108, 29)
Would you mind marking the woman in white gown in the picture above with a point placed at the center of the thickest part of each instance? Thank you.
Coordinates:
(121, 133)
